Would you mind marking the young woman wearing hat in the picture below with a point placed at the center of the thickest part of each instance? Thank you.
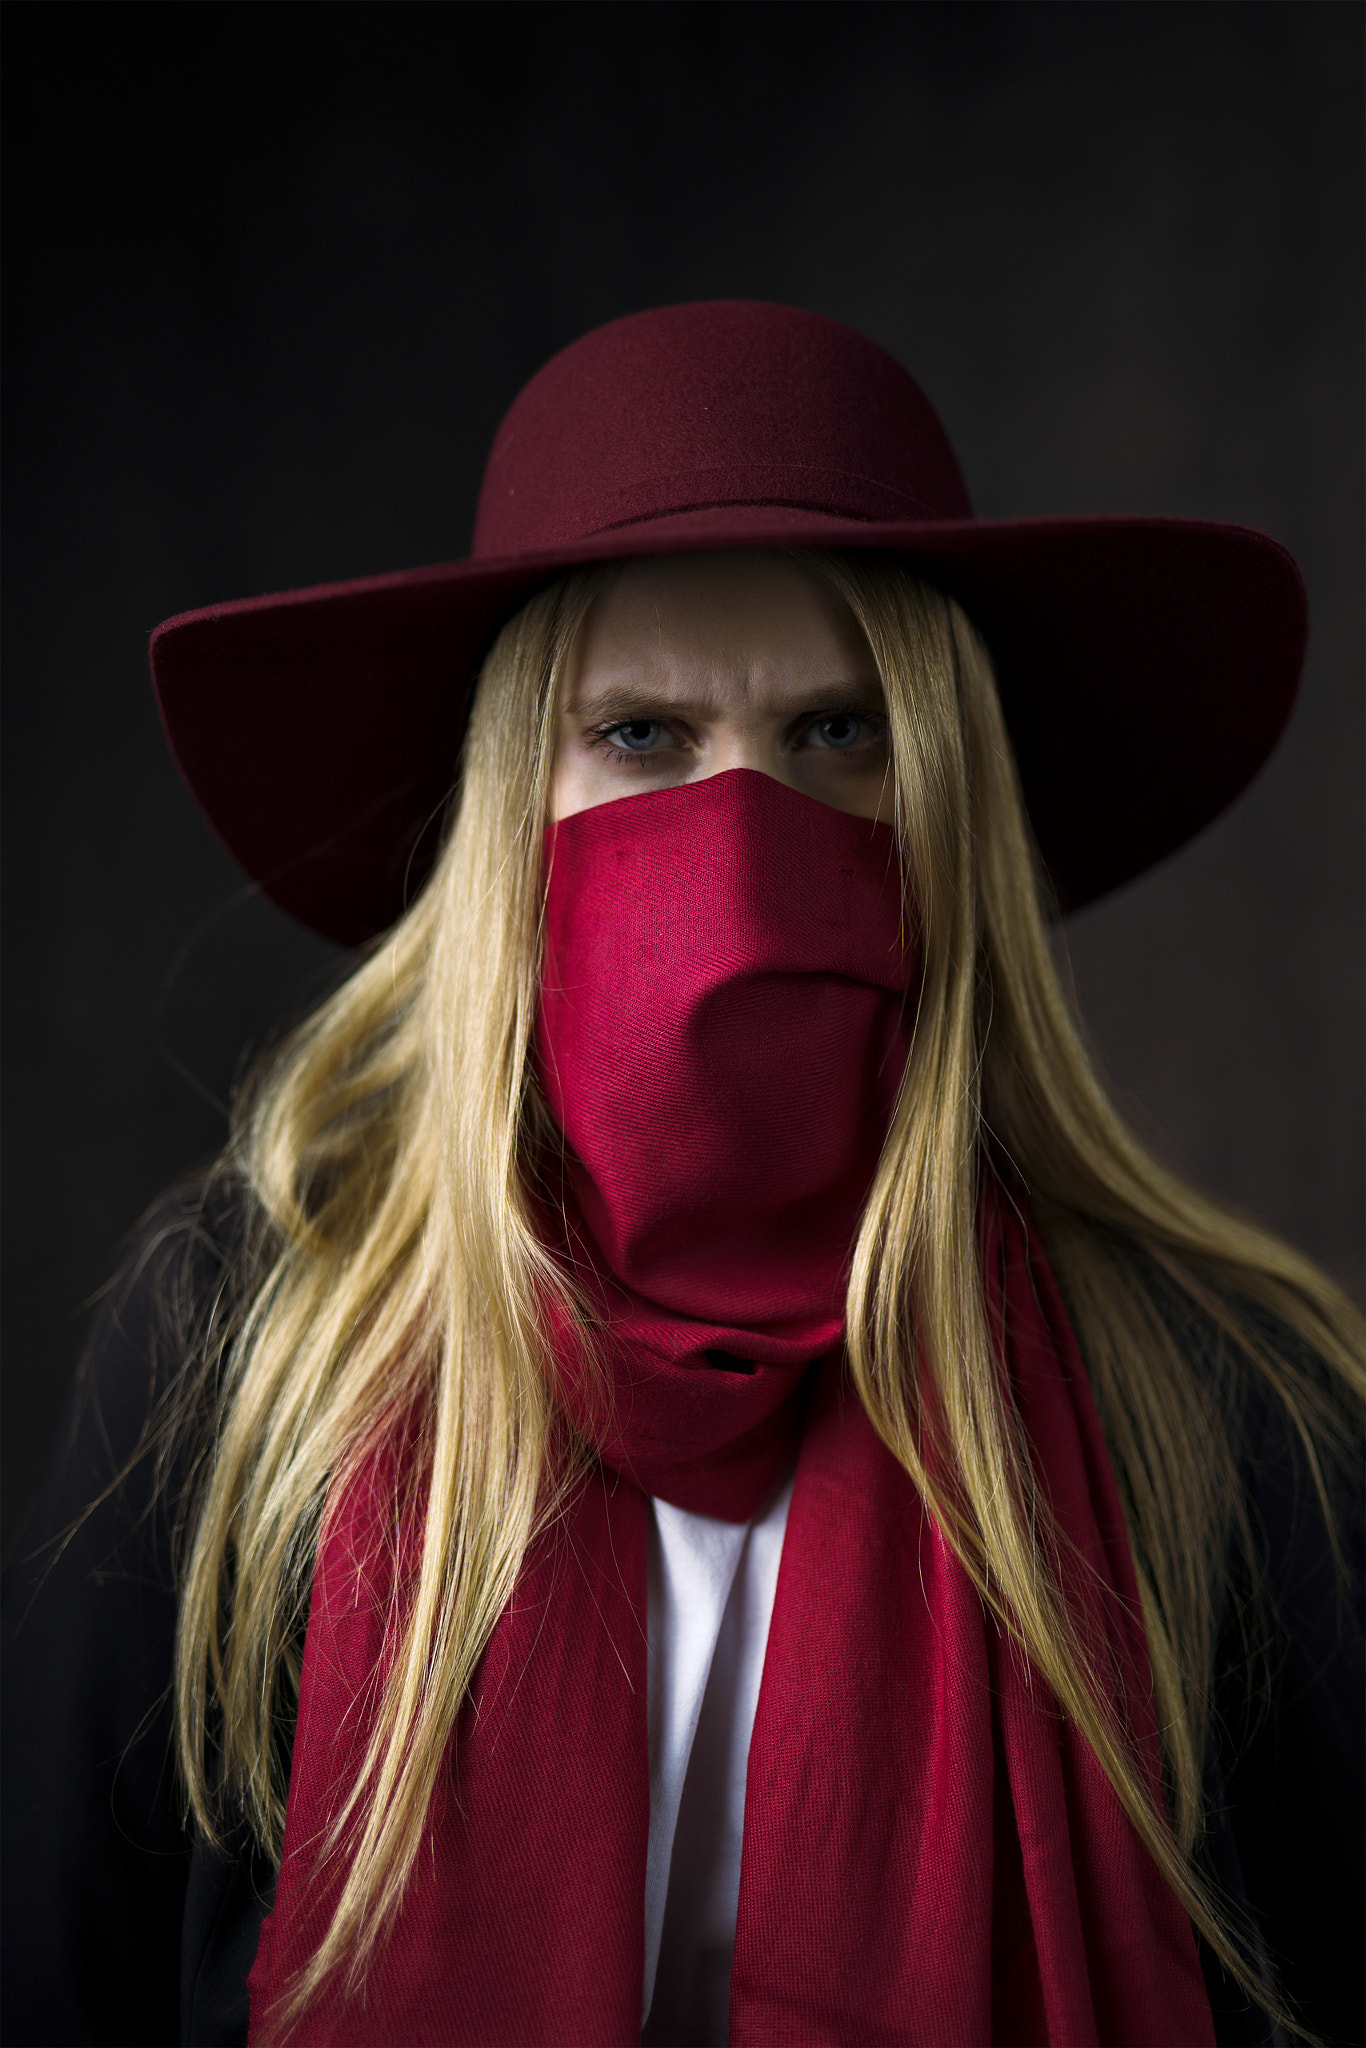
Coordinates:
(716, 1491)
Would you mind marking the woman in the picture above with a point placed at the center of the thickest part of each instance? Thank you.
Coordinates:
(718, 1491)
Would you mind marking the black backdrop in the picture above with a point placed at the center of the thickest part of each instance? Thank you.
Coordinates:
(273, 271)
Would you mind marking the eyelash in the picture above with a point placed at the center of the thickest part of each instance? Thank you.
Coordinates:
(600, 735)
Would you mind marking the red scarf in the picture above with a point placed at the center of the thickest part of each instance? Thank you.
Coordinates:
(931, 1853)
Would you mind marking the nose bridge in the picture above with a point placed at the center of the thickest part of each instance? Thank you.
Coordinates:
(746, 735)
(747, 727)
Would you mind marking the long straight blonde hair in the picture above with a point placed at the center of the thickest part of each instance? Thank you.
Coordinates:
(390, 1152)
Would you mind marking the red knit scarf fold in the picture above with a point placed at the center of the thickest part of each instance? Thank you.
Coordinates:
(932, 1854)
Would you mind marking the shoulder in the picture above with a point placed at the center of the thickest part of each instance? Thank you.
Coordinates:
(188, 1272)
(149, 1379)
(142, 1404)
(1294, 1427)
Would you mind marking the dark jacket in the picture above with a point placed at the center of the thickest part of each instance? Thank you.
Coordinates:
(118, 1927)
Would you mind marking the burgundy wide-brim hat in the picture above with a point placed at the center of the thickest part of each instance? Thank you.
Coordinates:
(1146, 666)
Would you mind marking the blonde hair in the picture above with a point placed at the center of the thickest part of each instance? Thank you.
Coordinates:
(390, 1151)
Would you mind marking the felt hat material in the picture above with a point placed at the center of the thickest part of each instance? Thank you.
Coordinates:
(1147, 666)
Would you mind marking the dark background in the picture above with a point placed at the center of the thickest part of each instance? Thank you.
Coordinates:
(273, 273)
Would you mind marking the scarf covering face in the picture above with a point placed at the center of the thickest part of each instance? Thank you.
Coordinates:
(931, 1854)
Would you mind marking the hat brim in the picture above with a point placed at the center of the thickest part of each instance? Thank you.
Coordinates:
(1146, 668)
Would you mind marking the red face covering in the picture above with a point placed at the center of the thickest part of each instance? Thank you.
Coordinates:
(723, 1026)
(931, 1853)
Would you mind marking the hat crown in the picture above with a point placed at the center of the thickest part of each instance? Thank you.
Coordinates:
(723, 403)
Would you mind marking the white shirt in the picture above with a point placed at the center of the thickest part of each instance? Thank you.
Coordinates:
(710, 1603)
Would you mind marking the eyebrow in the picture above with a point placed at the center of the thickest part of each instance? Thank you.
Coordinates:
(621, 701)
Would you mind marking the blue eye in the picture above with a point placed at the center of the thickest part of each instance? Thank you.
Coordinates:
(843, 730)
(638, 735)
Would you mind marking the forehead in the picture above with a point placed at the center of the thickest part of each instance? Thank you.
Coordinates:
(739, 618)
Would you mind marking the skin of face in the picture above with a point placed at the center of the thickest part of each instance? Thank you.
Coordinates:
(689, 665)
